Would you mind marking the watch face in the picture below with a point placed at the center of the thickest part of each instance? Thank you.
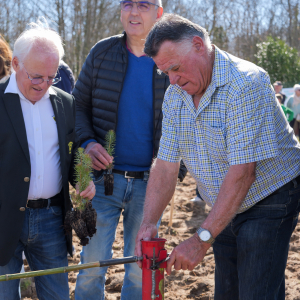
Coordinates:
(204, 235)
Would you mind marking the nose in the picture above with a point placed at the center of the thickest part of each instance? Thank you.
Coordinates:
(134, 10)
(173, 78)
(43, 85)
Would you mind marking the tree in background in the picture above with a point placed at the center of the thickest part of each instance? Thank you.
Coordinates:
(234, 26)
(279, 60)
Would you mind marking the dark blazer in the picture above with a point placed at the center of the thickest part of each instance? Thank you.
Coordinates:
(15, 167)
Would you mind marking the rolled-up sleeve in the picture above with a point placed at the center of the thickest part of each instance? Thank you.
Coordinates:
(250, 125)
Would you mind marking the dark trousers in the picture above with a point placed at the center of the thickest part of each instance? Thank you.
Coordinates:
(251, 252)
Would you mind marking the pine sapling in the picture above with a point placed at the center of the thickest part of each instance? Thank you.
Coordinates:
(83, 218)
(110, 143)
(83, 170)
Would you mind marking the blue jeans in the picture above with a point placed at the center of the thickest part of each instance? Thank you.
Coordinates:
(129, 197)
(44, 243)
(251, 252)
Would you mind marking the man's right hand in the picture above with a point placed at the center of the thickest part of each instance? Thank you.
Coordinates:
(100, 157)
(146, 232)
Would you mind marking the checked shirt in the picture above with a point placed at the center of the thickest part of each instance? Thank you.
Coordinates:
(238, 121)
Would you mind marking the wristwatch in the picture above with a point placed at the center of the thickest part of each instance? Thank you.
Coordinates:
(205, 236)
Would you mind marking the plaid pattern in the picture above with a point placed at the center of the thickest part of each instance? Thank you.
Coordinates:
(238, 121)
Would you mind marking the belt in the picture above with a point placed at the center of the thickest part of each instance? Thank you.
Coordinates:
(42, 203)
(132, 174)
(287, 186)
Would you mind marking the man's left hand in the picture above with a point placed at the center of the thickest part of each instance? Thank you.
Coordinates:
(89, 192)
(188, 254)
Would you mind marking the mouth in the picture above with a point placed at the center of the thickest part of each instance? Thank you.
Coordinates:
(134, 22)
(37, 90)
(183, 85)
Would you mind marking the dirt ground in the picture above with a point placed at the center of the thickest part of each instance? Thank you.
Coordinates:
(197, 284)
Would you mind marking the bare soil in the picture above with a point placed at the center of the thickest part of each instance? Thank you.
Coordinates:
(197, 284)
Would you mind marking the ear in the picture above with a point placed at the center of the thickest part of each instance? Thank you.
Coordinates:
(16, 64)
(198, 43)
(159, 13)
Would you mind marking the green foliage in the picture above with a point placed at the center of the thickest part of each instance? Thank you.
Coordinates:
(110, 144)
(279, 60)
(83, 170)
(219, 37)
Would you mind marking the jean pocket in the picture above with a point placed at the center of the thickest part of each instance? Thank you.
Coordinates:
(295, 191)
(56, 210)
(99, 179)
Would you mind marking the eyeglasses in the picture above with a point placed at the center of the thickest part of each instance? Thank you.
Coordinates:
(141, 5)
(41, 80)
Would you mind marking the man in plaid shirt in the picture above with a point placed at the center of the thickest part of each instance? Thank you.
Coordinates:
(222, 118)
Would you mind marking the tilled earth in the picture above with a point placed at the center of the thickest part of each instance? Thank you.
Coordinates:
(196, 284)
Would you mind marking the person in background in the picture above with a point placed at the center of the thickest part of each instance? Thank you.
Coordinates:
(37, 138)
(120, 89)
(67, 80)
(289, 114)
(278, 88)
(5, 60)
(293, 103)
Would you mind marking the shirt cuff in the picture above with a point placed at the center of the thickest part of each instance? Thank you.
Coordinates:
(87, 142)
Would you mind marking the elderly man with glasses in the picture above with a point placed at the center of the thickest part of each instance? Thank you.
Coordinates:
(37, 139)
(119, 89)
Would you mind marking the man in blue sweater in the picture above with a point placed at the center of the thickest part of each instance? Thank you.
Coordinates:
(119, 88)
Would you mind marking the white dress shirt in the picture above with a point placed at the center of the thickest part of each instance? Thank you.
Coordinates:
(42, 137)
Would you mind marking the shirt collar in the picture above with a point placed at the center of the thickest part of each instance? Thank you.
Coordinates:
(13, 88)
(221, 70)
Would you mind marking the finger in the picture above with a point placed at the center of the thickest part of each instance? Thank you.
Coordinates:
(98, 164)
(138, 248)
(171, 262)
(177, 264)
(86, 192)
(183, 266)
(101, 154)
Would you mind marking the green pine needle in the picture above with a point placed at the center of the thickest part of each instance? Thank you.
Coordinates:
(83, 170)
(110, 144)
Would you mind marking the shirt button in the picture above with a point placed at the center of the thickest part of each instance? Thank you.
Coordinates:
(26, 179)
(22, 208)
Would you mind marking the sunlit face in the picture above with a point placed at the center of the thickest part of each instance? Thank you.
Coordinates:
(191, 70)
(277, 88)
(297, 92)
(37, 65)
(138, 24)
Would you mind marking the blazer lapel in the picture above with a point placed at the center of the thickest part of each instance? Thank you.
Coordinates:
(14, 110)
(60, 119)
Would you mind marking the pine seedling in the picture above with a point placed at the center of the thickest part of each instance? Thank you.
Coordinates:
(83, 170)
(110, 143)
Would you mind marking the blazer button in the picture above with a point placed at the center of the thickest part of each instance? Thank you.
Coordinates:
(22, 208)
(26, 179)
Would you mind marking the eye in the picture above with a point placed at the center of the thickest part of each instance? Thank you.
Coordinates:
(144, 5)
(127, 4)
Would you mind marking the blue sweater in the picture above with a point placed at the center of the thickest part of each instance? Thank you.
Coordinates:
(134, 134)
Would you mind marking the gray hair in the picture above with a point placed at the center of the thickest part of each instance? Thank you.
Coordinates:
(38, 35)
(176, 29)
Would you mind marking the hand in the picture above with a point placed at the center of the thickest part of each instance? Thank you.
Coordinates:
(188, 254)
(89, 192)
(100, 157)
(146, 232)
